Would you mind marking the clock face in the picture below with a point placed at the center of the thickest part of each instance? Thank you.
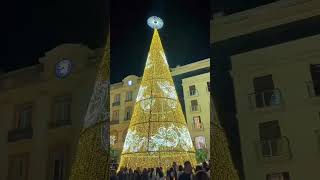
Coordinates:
(63, 68)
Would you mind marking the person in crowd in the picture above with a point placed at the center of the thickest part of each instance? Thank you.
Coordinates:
(130, 175)
(152, 174)
(159, 174)
(201, 175)
(145, 174)
(180, 171)
(170, 174)
(113, 175)
(187, 173)
(175, 170)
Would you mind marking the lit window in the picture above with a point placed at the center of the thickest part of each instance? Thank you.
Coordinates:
(129, 83)
(129, 96)
(278, 176)
(115, 115)
(197, 122)
(200, 142)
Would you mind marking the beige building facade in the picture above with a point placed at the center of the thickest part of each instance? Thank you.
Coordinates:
(276, 74)
(33, 145)
(123, 96)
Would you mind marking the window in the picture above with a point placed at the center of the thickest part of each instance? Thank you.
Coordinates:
(315, 75)
(192, 90)
(114, 137)
(18, 166)
(117, 98)
(115, 115)
(56, 167)
(278, 176)
(208, 86)
(197, 122)
(194, 105)
(200, 142)
(128, 113)
(270, 136)
(62, 110)
(24, 115)
(264, 91)
(129, 96)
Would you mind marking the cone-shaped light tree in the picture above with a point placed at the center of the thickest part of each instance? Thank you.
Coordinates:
(91, 160)
(157, 134)
(222, 167)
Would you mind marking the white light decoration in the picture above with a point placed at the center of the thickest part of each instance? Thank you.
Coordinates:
(169, 92)
(169, 137)
(164, 57)
(155, 22)
(129, 83)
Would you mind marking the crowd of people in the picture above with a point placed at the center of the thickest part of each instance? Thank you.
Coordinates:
(175, 172)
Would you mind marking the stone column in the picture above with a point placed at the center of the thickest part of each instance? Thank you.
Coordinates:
(39, 153)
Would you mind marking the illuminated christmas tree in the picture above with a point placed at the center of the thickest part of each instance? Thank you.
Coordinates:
(92, 156)
(157, 134)
(222, 167)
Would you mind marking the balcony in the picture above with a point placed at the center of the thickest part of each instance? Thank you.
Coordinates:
(58, 124)
(313, 88)
(193, 93)
(115, 121)
(198, 127)
(274, 149)
(195, 108)
(116, 103)
(19, 134)
(265, 99)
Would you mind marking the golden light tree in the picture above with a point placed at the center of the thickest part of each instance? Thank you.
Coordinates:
(92, 156)
(157, 134)
(222, 167)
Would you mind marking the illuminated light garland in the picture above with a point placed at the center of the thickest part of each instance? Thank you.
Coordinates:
(157, 134)
(91, 161)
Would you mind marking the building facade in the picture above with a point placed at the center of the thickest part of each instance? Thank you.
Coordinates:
(270, 56)
(42, 108)
(123, 95)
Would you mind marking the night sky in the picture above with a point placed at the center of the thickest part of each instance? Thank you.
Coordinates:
(35, 27)
(185, 34)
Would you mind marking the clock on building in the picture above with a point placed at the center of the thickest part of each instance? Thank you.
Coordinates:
(63, 68)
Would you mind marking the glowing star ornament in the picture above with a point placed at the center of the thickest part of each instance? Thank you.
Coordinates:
(155, 22)
(157, 135)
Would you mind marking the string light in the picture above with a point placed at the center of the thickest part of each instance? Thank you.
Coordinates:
(157, 134)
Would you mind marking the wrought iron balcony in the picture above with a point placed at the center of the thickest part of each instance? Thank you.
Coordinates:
(19, 134)
(313, 88)
(57, 124)
(274, 149)
(267, 98)
(116, 103)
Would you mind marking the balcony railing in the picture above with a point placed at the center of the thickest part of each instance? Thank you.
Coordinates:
(198, 127)
(193, 93)
(116, 121)
(57, 124)
(19, 134)
(313, 88)
(195, 108)
(273, 149)
(267, 98)
(116, 103)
